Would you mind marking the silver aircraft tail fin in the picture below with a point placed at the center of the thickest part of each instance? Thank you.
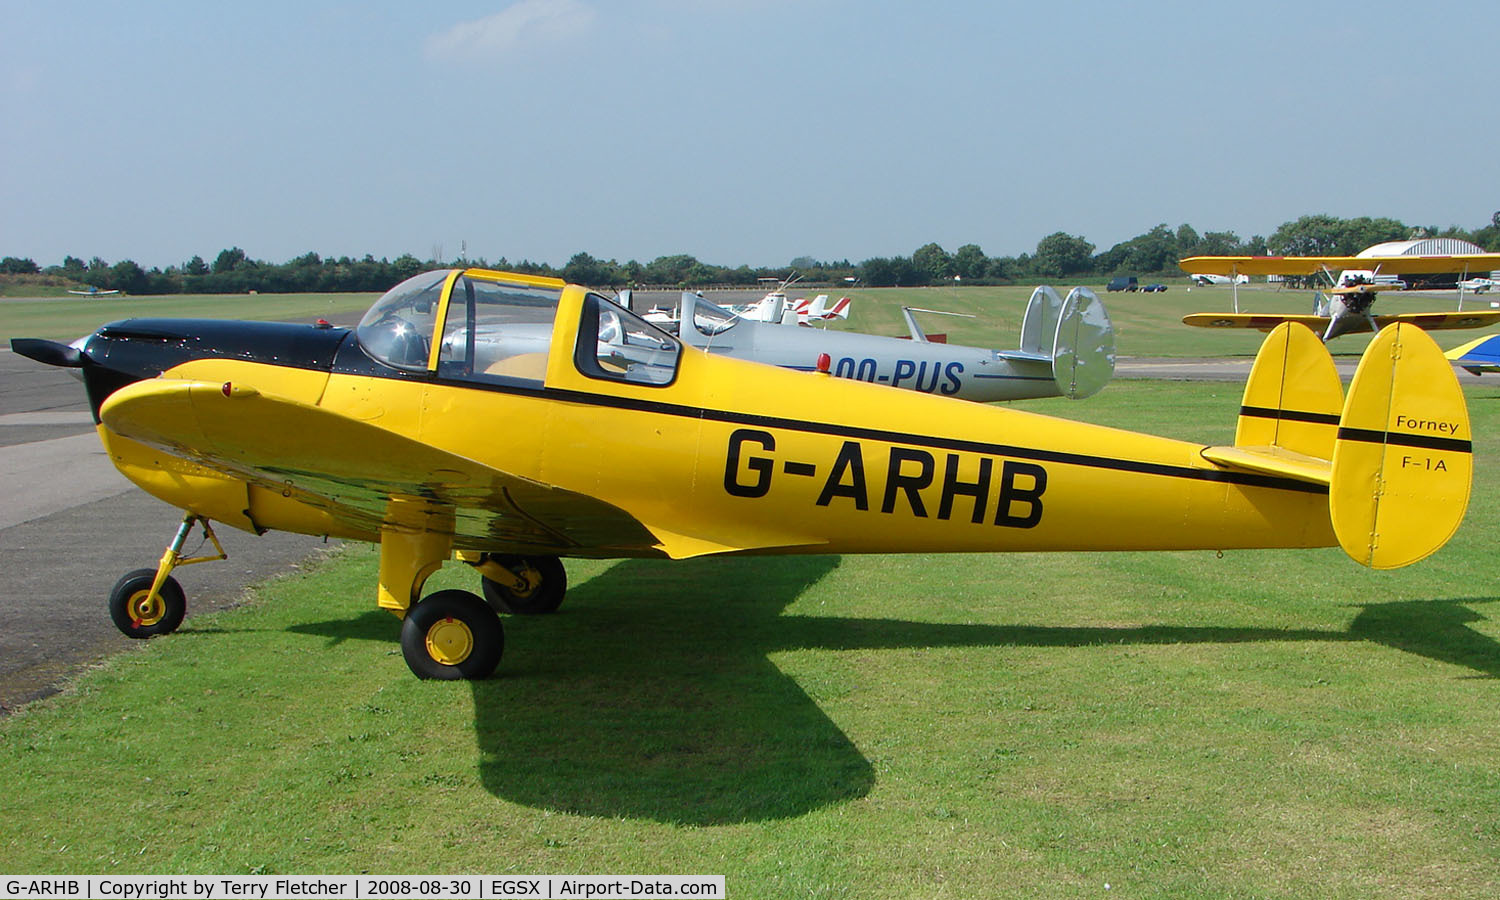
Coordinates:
(1073, 334)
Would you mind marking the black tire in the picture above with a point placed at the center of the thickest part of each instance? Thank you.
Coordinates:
(543, 599)
(138, 619)
(452, 635)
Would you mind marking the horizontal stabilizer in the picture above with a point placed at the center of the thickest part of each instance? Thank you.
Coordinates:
(1023, 356)
(1272, 461)
(1290, 412)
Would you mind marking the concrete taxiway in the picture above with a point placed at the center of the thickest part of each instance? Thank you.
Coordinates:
(70, 526)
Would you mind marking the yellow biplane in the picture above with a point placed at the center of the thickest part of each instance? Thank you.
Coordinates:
(1346, 308)
(505, 421)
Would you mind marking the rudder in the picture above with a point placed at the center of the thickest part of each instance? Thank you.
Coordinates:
(1083, 349)
(1293, 397)
(1403, 459)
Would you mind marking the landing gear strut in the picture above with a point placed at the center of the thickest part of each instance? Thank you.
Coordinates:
(524, 585)
(148, 602)
(448, 635)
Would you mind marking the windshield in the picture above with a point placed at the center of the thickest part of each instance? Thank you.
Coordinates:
(711, 319)
(398, 329)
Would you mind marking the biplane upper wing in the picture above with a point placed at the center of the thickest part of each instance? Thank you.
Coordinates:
(1429, 321)
(1311, 265)
(353, 470)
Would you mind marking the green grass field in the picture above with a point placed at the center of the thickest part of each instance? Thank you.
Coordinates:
(71, 317)
(1265, 724)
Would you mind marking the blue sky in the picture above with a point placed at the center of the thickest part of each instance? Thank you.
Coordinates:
(739, 131)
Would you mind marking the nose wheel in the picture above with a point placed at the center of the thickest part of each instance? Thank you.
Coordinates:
(140, 612)
(148, 602)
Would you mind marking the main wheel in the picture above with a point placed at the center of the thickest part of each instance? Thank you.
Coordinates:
(452, 635)
(139, 615)
(546, 597)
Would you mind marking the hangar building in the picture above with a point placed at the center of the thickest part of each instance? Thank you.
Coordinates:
(1428, 247)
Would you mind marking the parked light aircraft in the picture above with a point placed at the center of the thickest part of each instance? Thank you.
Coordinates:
(507, 420)
(801, 311)
(1209, 279)
(776, 307)
(1478, 356)
(773, 307)
(1346, 307)
(1067, 349)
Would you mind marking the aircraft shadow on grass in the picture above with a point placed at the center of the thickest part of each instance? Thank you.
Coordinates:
(652, 698)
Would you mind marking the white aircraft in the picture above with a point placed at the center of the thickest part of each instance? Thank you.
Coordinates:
(93, 292)
(1207, 280)
(773, 308)
(1067, 349)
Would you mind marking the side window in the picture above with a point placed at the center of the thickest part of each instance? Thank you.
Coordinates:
(497, 332)
(615, 344)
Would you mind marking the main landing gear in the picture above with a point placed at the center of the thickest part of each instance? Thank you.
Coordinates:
(524, 585)
(148, 602)
(448, 634)
(454, 634)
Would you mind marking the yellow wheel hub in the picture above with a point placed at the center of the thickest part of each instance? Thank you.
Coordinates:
(449, 641)
(146, 609)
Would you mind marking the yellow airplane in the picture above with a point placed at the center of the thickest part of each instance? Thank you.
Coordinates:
(1347, 308)
(505, 421)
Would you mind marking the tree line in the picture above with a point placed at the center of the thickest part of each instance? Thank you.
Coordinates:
(1059, 255)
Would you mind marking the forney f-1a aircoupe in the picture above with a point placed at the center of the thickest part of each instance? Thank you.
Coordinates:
(506, 420)
(1346, 308)
(1067, 350)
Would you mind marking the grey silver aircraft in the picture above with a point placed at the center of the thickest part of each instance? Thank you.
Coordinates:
(1067, 349)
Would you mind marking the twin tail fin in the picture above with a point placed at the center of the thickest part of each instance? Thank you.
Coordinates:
(1396, 453)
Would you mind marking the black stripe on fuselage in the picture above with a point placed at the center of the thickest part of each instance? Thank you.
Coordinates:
(1222, 476)
(1403, 439)
(366, 368)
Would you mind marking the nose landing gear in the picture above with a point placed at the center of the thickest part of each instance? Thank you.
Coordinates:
(148, 602)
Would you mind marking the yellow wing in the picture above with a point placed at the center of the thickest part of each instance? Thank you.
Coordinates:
(1432, 321)
(1311, 265)
(352, 470)
(1259, 321)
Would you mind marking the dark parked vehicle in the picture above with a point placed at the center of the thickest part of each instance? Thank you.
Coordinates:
(1122, 283)
(1156, 288)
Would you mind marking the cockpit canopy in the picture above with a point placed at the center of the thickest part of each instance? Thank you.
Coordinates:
(497, 327)
(398, 329)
